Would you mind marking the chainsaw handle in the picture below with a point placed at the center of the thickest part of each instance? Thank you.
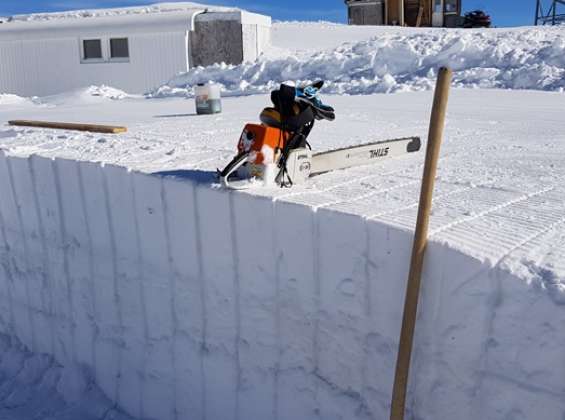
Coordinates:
(236, 163)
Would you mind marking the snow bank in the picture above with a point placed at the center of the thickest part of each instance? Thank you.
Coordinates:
(392, 61)
(86, 95)
(90, 94)
(104, 91)
(190, 302)
(34, 386)
(9, 99)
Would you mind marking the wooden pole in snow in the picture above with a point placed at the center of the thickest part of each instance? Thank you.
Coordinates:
(419, 247)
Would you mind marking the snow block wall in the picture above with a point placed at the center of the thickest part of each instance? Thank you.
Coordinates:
(186, 302)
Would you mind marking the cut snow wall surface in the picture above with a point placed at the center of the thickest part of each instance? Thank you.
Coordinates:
(35, 386)
(186, 302)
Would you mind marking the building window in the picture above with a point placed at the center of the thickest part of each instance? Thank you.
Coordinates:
(451, 6)
(92, 49)
(119, 48)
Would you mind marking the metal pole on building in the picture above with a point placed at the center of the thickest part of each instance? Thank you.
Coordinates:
(401, 12)
(551, 15)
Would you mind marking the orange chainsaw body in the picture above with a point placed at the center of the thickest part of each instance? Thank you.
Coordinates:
(262, 143)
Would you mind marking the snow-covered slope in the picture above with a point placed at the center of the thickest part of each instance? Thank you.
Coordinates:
(392, 60)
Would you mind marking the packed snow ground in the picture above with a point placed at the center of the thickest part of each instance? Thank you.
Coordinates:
(384, 60)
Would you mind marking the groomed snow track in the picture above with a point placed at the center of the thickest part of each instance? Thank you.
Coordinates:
(188, 302)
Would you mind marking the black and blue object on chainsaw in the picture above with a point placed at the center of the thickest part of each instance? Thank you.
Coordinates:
(309, 95)
(299, 108)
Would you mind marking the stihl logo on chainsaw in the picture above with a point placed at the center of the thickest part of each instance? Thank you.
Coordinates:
(304, 167)
(377, 153)
(372, 153)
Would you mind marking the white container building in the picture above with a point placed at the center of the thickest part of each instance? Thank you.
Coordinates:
(133, 49)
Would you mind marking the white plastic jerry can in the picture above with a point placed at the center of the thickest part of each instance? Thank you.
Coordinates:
(208, 98)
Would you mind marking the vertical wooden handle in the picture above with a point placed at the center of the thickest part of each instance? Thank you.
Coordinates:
(419, 247)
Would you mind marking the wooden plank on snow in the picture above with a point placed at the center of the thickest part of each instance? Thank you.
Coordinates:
(95, 128)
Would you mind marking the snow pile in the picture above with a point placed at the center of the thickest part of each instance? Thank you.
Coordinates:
(10, 99)
(85, 95)
(106, 92)
(90, 94)
(322, 35)
(531, 58)
(87, 13)
(34, 386)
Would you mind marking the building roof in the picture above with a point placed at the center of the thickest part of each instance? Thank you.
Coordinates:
(161, 17)
(151, 9)
(354, 2)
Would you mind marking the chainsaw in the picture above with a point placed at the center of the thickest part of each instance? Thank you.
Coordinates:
(277, 153)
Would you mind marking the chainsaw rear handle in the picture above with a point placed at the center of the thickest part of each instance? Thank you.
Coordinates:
(232, 167)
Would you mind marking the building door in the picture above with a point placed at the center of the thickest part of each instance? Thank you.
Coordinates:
(411, 11)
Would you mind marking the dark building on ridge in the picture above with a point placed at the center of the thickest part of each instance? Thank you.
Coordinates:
(404, 12)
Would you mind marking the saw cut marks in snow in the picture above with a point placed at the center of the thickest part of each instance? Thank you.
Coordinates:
(276, 152)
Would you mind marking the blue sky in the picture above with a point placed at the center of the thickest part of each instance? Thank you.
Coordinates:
(503, 12)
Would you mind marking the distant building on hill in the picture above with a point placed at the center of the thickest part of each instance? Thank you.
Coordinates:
(404, 12)
(135, 49)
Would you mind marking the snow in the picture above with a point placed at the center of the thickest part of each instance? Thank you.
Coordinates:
(316, 36)
(186, 301)
(495, 266)
(122, 11)
(494, 151)
(90, 94)
(391, 60)
(10, 99)
(35, 386)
